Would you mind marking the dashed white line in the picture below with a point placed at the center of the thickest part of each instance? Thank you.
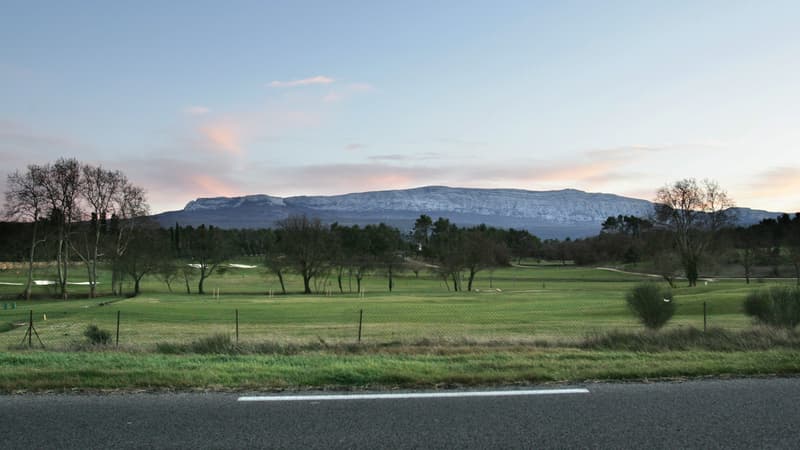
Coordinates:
(411, 395)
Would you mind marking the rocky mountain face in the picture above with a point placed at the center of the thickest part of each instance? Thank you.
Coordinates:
(548, 214)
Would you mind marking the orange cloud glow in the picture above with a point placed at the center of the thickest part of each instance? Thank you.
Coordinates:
(212, 186)
(594, 171)
(776, 189)
(223, 138)
(777, 183)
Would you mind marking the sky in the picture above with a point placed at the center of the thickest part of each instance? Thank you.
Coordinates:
(207, 98)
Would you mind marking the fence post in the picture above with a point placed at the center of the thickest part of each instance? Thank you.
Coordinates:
(237, 326)
(117, 328)
(30, 332)
(360, 321)
(705, 317)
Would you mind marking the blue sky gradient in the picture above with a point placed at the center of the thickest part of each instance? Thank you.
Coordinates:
(195, 99)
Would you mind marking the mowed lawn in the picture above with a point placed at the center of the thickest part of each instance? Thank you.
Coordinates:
(559, 304)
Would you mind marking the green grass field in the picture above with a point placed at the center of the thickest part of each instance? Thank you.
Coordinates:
(512, 305)
(523, 325)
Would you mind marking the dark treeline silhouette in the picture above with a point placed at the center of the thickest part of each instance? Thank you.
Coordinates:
(319, 254)
(68, 214)
(770, 248)
(343, 255)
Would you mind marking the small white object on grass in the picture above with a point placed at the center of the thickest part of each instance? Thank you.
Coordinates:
(667, 300)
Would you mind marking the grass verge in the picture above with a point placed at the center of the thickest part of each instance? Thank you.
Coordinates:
(430, 368)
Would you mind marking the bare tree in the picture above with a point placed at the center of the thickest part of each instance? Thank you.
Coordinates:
(26, 200)
(131, 209)
(207, 251)
(99, 189)
(306, 244)
(694, 212)
(146, 254)
(62, 187)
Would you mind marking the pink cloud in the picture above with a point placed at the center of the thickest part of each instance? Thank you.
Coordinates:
(319, 79)
(223, 137)
(212, 186)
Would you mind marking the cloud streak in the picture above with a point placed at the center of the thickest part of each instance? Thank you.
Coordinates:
(319, 79)
(196, 110)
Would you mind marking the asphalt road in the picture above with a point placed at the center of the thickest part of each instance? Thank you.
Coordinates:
(748, 413)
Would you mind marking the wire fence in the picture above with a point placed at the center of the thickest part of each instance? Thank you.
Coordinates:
(373, 323)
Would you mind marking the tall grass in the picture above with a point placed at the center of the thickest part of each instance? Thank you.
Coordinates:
(714, 339)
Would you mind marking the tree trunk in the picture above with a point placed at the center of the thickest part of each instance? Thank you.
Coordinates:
(747, 265)
(471, 278)
(306, 283)
(30, 261)
(136, 289)
(391, 279)
(91, 280)
(339, 279)
(114, 281)
(280, 279)
(59, 256)
(691, 271)
(65, 289)
(797, 273)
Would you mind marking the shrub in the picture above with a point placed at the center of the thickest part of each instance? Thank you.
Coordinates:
(97, 336)
(653, 305)
(777, 306)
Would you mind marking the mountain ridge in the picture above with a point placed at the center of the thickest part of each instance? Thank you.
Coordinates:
(549, 214)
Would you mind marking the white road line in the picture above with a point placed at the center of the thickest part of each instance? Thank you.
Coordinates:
(411, 395)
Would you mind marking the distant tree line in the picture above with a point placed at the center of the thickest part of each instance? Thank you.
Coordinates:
(693, 229)
(72, 213)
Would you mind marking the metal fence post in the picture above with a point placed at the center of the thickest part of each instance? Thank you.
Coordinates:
(117, 344)
(360, 321)
(705, 317)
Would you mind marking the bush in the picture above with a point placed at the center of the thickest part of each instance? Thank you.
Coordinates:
(653, 305)
(776, 306)
(97, 336)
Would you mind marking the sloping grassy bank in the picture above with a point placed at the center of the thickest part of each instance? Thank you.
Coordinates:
(40, 370)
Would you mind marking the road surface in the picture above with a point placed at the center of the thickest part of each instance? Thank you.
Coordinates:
(744, 413)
